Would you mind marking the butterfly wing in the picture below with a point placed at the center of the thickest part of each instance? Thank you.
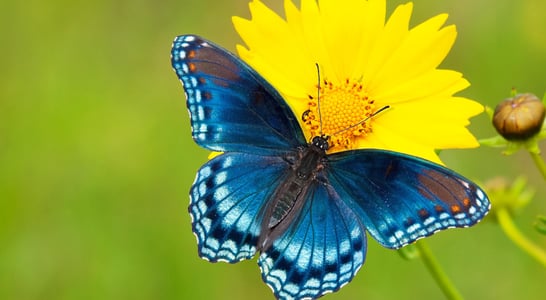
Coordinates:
(225, 200)
(321, 250)
(232, 108)
(401, 198)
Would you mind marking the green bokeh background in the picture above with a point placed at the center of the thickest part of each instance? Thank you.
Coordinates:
(96, 157)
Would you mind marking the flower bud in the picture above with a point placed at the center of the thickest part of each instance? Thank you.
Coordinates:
(519, 117)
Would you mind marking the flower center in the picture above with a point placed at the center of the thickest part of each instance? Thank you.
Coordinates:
(344, 110)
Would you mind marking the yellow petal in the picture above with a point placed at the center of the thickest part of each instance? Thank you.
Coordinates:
(434, 83)
(436, 123)
(384, 138)
(341, 48)
(392, 35)
(415, 56)
(286, 63)
(374, 21)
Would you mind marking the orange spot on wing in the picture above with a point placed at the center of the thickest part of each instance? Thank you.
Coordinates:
(423, 213)
(192, 67)
(206, 95)
(455, 209)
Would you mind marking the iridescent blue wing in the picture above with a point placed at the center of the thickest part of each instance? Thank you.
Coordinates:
(232, 108)
(321, 250)
(401, 198)
(225, 200)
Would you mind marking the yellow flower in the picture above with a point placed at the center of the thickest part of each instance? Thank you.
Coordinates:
(365, 64)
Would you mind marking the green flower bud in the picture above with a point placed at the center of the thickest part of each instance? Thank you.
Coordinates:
(519, 117)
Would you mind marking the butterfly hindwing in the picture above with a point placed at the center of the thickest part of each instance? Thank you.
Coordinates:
(225, 200)
(401, 198)
(320, 251)
(232, 108)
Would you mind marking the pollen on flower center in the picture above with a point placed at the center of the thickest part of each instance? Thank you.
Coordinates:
(344, 110)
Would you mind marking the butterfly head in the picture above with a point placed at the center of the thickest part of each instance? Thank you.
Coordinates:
(321, 142)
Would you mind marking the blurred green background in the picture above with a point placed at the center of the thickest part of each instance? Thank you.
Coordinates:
(96, 156)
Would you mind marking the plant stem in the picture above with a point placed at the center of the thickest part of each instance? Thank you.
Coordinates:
(539, 162)
(506, 223)
(450, 291)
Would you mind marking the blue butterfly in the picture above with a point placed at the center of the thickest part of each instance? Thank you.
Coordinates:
(305, 211)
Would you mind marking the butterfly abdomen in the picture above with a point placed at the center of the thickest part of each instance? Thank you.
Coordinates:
(286, 201)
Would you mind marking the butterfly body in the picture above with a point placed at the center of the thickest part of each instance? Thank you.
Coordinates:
(288, 198)
(304, 210)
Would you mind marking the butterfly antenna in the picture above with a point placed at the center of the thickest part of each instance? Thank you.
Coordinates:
(366, 119)
(318, 98)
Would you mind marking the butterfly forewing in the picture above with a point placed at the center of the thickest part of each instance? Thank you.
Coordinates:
(232, 108)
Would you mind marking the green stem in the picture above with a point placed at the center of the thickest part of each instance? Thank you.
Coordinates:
(506, 223)
(539, 162)
(450, 291)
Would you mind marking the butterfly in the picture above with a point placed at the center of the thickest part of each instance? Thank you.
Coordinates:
(272, 192)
